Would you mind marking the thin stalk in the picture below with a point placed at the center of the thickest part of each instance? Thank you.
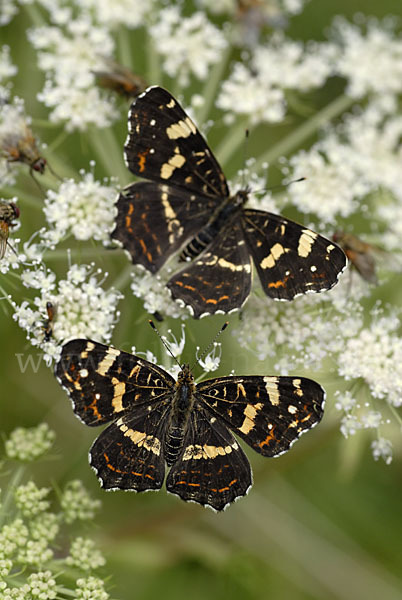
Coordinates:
(307, 129)
(80, 253)
(9, 492)
(231, 141)
(153, 74)
(35, 14)
(121, 282)
(108, 151)
(210, 88)
(124, 48)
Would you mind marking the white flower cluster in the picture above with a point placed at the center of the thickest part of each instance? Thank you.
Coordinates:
(7, 69)
(355, 160)
(84, 308)
(259, 90)
(297, 334)
(154, 293)
(68, 55)
(189, 45)
(375, 355)
(85, 209)
(8, 10)
(370, 61)
(273, 8)
(112, 13)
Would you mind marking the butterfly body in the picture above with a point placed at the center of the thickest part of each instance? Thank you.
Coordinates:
(156, 422)
(186, 207)
(182, 405)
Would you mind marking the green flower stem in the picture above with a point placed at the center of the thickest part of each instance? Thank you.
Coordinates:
(125, 52)
(122, 281)
(79, 253)
(35, 14)
(232, 141)
(109, 152)
(396, 415)
(153, 69)
(9, 494)
(210, 88)
(307, 129)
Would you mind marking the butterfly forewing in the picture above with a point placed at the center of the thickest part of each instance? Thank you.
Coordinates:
(290, 259)
(155, 220)
(269, 413)
(219, 280)
(103, 382)
(164, 145)
(128, 455)
(212, 468)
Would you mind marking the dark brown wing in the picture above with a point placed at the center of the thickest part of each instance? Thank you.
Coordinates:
(290, 259)
(269, 413)
(104, 382)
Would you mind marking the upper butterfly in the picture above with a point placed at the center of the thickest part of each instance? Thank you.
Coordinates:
(187, 206)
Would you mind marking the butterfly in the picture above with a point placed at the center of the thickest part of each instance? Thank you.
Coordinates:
(8, 212)
(157, 421)
(187, 208)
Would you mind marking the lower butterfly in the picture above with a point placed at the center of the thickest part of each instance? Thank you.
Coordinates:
(158, 422)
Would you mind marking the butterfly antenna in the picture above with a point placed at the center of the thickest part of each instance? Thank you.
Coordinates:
(245, 154)
(152, 324)
(212, 342)
(280, 185)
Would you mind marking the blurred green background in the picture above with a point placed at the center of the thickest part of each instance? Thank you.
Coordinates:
(321, 522)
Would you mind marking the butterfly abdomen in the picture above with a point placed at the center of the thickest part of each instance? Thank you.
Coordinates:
(212, 229)
(182, 405)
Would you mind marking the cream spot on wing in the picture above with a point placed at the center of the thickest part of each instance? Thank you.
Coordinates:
(306, 242)
(118, 392)
(107, 361)
(175, 162)
(276, 252)
(271, 386)
(88, 348)
(181, 129)
(83, 373)
(249, 415)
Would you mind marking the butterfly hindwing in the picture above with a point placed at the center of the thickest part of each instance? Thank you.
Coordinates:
(290, 259)
(165, 146)
(269, 413)
(128, 455)
(103, 382)
(155, 220)
(219, 280)
(212, 469)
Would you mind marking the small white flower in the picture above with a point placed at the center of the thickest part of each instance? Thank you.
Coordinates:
(7, 69)
(371, 61)
(349, 425)
(68, 55)
(345, 401)
(189, 45)
(382, 448)
(212, 360)
(84, 208)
